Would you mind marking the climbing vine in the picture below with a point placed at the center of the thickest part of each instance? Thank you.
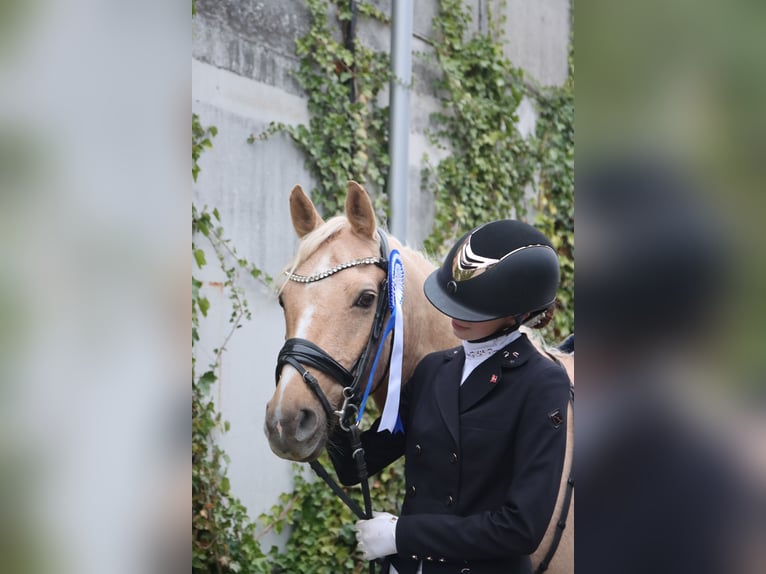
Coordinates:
(489, 164)
(490, 170)
(347, 134)
(555, 215)
(223, 536)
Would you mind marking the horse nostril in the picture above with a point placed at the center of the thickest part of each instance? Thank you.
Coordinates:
(307, 424)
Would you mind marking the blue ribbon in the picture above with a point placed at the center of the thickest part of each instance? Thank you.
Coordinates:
(389, 419)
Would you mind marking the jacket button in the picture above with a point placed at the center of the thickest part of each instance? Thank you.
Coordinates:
(450, 500)
(418, 450)
(413, 491)
(414, 556)
(442, 560)
(453, 457)
(430, 558)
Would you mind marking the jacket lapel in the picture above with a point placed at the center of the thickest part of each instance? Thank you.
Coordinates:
(446, 389)
(483, 380)
(489, 374)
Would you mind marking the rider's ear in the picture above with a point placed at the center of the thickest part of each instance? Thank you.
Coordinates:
(359, 210)
(305, 216)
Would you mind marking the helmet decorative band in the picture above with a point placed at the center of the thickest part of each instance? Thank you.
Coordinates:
(467, 264)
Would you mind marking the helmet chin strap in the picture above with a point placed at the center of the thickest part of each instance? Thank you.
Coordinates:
(528, 319)
(500, 332)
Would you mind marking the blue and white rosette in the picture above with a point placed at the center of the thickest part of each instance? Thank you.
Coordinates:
(389, 419)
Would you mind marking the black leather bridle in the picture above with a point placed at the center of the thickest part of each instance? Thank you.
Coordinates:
(301, 353)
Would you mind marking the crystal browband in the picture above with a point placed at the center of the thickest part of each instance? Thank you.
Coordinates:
(322, 274)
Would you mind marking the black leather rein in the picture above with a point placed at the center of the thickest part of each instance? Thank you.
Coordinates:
(300, 353)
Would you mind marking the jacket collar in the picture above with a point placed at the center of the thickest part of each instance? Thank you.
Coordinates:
(513, 355)
(517, 353)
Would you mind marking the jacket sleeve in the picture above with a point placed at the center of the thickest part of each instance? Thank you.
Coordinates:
(380, 448)
(516, 527)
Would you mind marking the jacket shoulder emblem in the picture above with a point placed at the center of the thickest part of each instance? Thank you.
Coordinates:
(556, 418)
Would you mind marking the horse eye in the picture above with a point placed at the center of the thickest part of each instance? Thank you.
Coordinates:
(365, 300)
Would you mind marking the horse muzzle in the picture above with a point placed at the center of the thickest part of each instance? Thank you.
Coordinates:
(295, 433)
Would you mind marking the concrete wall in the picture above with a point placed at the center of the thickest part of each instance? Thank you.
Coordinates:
(537, 37)
(242, 58)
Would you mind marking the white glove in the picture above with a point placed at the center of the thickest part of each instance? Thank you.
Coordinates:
(377, 536)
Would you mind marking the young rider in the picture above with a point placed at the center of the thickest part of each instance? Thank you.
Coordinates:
(484, 424)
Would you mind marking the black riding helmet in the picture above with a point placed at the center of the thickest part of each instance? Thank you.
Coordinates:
(499, 269)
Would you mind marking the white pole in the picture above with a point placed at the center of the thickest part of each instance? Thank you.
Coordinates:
(398, 143)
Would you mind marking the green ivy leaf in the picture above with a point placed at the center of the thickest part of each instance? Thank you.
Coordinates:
(204, 305)
(199, 257)
(207, 379)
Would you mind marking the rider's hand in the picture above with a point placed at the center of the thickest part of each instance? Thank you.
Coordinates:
(377, 536)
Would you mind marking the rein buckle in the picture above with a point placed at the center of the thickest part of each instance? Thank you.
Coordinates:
(347, 409)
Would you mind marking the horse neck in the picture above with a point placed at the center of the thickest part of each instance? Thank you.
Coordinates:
(425, 329)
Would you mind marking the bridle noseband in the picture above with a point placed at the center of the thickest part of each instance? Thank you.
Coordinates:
(300, 353)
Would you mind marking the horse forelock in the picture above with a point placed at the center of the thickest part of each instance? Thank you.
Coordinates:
(314, 241)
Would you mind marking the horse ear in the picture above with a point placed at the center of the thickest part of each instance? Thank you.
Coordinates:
(305, 216)
(359, 210)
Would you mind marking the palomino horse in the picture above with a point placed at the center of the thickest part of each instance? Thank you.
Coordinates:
(335, 311)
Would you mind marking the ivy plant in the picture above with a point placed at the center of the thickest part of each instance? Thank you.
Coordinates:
(223, 536)
(489, 164)
(347, 134)
(491, 171)
(555, 209)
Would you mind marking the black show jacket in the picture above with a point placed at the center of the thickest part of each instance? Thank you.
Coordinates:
(483, 460)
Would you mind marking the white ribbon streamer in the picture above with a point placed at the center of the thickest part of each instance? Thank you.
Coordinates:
(389, 419)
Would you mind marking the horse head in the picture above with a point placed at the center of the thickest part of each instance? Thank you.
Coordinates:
(333, 291)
